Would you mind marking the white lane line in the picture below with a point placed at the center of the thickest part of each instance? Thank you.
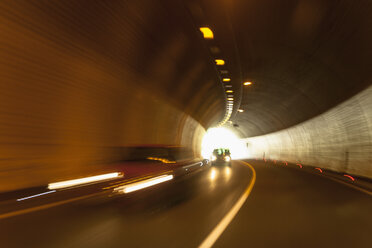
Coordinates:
(347, 184)
(46, 206)
(221, 226)
(192, 165)
(32, 196)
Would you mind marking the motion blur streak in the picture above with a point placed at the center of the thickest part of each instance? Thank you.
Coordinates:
(143, 184)
(82, 79)
(85, 180)
(32, 196)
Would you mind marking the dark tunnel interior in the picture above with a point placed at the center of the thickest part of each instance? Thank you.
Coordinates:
(82, 79)
(185, 123)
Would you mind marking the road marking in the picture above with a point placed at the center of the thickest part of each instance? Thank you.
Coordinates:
(33, 196)
(342, 182)
(54, 204)
(347, 184)
(192, 165)
(50, 205)
(221, 226)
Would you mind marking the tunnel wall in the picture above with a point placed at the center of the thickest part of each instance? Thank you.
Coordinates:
(82, 138)
(340, 139)
(79, 79)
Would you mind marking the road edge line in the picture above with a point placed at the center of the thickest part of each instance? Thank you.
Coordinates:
(45, 206)
(358, 188)
(226, 220)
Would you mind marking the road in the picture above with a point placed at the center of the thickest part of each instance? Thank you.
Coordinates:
(286, 208)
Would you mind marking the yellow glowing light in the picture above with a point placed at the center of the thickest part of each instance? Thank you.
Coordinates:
(229, 91)
(230, 98)
(227, 171)
(240, 110)
(219, 61)
(163, 160)
(226, 79)
(85, 180)
(247, 83)
(207, 32)
(143, 184)
(213, 174)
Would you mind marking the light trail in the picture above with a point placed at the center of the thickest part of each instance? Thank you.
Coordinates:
(143, 184)
(85, 180)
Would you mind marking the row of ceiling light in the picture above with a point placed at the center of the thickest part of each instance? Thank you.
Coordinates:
(208, 35)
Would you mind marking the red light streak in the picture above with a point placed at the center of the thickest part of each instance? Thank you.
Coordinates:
(352, 178)
(299, 165)
(320, 170)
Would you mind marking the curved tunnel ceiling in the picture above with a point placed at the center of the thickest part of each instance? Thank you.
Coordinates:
(81, 79)
(303, 56)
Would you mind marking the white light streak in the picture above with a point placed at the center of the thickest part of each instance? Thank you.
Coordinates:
(143, 184)
(85, 180)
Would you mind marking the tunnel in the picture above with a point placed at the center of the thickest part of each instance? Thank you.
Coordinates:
(82, 81)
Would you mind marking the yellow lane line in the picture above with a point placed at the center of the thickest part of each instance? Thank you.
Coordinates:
(222, 225)
(54, 204)
(50, 205)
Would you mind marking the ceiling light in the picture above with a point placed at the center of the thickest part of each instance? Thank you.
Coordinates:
(219, 61)
(247, 83)
(240, 110)
(207, 32)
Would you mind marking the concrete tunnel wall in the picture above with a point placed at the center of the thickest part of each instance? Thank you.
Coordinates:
(81, 140)
(79, 78)
(339, 140)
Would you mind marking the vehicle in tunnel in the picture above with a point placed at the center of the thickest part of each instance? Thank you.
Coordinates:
(221, 156)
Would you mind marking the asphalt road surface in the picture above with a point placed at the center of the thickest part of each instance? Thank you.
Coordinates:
(286, 208)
